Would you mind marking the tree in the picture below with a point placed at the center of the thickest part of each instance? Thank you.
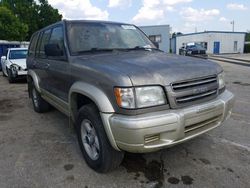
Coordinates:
(47, 14)
(26, 11)
(36, 14)
(248, 36)
(10, 26)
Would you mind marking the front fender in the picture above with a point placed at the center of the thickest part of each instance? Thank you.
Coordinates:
(101, 101)
(35, 79)
(94, 93)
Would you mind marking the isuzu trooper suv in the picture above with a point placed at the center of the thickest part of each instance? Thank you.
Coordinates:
(121, 92)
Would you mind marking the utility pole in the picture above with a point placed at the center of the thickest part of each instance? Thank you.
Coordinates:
(232, 22)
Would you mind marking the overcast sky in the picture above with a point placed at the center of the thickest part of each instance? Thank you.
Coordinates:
(182, 15)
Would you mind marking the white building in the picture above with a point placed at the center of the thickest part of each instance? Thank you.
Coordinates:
(159, 34)
(216, 42)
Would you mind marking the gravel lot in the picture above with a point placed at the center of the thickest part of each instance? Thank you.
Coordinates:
(40, 150)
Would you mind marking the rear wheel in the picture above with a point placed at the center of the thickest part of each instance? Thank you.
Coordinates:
(93, 141)
(39, 104)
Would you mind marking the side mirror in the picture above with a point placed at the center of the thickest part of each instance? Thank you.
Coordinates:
(53, 50)
(3, 57)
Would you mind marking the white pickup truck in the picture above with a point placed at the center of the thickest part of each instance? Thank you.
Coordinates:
(14, 64)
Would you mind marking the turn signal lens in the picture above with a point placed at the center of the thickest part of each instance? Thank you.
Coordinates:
(125, 97)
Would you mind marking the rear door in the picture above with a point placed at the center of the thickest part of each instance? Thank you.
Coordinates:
(32, 51)
(40, 62)
(58, 66)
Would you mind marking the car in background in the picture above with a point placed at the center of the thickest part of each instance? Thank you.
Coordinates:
(193, 49)
(14, 64)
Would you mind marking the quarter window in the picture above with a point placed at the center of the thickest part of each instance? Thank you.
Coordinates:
(43, 41)
(32, 47)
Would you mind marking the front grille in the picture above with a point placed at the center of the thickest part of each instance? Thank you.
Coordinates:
(198, 52)
(195, 90)
(191, 98)
(193, 83)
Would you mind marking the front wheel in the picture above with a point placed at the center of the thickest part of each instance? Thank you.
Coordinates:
(10, 76)
(93, 141)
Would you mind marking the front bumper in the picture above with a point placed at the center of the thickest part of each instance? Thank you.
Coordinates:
(22, 73)
(19, 73)
(154, 131)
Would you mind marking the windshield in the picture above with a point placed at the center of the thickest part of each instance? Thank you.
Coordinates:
(85, 37)
(18, 54)
(196, 46)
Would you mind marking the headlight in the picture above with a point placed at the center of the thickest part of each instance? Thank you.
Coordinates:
(125, 97)
(149, 96)
(221, 80)
(140, 97)
(15, 67)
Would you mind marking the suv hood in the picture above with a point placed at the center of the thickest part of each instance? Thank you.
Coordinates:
(155, 68)
(19, 62)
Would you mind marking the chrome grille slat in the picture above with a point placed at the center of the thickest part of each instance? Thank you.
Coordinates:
(196, 96)
(191, 84)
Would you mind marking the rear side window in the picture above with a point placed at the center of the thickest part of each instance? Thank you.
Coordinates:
(43, 40)
(32, 47)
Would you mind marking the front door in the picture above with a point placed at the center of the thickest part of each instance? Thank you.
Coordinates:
(216, 47)
(59, 68)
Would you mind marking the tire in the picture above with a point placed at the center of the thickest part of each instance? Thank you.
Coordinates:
(93, 141)
(10, 77)
(39, 104)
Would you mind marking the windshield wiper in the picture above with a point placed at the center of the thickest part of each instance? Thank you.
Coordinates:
(143, 48)
(97, 50)
(94, 50)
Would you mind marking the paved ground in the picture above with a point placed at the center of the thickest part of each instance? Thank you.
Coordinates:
(39, 150)
(237, 56)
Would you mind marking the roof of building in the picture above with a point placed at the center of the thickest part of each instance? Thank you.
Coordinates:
(13, 42)
(154, 26)
(18, 49)
(205, 32)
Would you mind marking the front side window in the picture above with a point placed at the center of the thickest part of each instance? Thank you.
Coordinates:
(57, 37)
(18, 54)
(87, 36)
